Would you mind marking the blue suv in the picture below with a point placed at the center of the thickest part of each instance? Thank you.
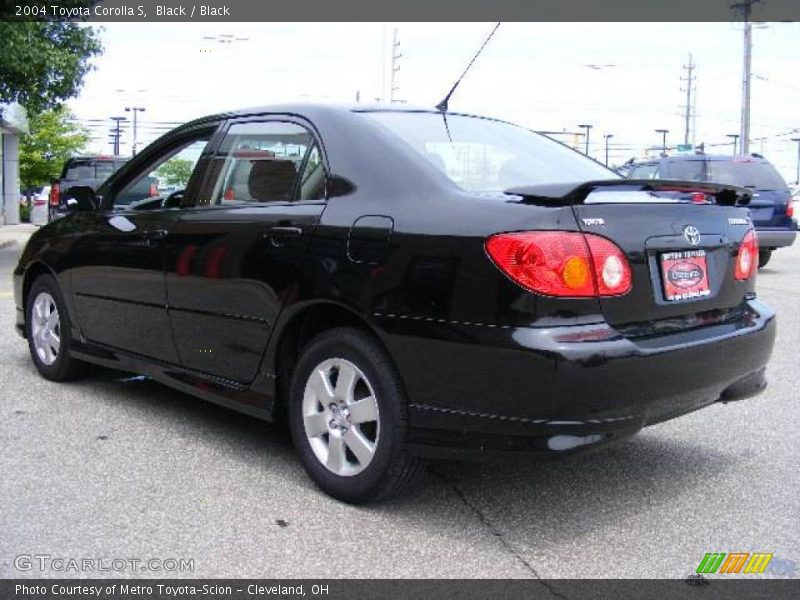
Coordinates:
(769, 208)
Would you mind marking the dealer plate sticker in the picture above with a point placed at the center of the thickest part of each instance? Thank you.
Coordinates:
(685, 275)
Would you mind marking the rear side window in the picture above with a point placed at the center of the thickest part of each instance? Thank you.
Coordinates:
(752, 174)
(267, 162)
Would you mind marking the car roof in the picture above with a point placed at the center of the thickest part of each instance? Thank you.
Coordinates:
(314, 110)
(698, 157)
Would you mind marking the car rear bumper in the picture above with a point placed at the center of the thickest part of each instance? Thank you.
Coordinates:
(566, 388)
(776, 238)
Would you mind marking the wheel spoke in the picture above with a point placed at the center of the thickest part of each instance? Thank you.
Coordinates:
(336, 454)
(52, 320)
(316, 424)
(364, 410)
(54, 342)
(320, 385)
(346, 382)
(359, 445)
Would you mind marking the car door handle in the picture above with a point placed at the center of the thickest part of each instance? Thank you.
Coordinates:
(284, 232)
(154, 234)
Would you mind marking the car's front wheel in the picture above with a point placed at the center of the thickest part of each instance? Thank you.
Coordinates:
(348, 417)
(48, 329)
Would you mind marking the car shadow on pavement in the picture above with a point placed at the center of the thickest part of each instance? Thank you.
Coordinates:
(540, 500)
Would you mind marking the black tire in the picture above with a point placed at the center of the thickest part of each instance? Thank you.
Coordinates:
(64, 367)
(390, 469)
(763, 257)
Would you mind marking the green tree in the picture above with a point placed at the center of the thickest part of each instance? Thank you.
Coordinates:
(176, 171)
(53, 138)
(44, 63)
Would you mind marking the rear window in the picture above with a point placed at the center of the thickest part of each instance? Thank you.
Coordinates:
(92, 169)
(482, 155)
(746, 173)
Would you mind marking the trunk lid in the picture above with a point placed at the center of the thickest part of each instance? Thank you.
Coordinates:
(667, 233)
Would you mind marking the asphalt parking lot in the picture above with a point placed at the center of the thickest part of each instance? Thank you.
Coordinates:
(119, 467)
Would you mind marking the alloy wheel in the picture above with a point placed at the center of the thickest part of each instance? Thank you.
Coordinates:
(340, 417)
(45, 328)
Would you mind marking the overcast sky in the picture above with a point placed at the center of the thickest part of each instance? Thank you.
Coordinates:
(534, 74)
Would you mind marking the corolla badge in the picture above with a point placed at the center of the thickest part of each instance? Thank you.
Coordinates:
(692, 235)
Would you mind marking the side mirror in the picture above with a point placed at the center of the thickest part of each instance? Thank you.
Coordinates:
(81, 198)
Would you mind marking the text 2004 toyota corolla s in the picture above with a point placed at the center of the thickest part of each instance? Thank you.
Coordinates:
(403, 284)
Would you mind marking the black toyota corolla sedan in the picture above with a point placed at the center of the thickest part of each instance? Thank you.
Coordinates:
(401, 284)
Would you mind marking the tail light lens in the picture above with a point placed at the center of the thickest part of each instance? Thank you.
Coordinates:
(747, 259)
(562, 263)
(229, 194)
(790, 209)
(153, 190)
(55, 194)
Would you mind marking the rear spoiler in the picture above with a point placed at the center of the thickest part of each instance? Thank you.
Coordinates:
(568, 194)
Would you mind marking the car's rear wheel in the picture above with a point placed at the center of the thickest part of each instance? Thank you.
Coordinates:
(48, 331)
(763, 257)
(348, 418)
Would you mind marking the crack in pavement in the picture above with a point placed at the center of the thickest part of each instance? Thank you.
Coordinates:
(484, 520)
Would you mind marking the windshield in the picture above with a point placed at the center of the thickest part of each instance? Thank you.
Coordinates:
(744, 172)
(481, 155)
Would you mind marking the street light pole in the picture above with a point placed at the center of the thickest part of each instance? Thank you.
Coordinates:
(797, 174)
(587, 127)
(136, 110)
(663, 133)
(607, 137)
(735, 137)
(117, 132)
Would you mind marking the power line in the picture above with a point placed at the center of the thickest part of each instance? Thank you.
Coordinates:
(689, 79)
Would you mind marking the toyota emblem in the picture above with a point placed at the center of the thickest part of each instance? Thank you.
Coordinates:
(692, 235)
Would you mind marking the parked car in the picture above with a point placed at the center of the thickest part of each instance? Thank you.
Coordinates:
(401, 284)
(39, 203)
(770, 207)
(83, 171)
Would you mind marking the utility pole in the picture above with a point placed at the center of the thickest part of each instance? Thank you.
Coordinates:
(136, 110)
(607, 137)
(689, 79)
(746, 8)
(735, 137)
(586, 127)
(663, 133)
(117, 133)
(797, 173)
(396, 56)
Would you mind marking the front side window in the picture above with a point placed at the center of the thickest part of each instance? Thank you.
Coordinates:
(644, 172)
(483, 155)
(168, 175)
(267, 162)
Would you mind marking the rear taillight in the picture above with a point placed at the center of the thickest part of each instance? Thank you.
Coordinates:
(790, 209)
(229, 194)
(153, 190)
(747, 258)
(562, 263)
(55, 194)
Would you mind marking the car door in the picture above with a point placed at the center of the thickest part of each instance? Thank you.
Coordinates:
(235, 255)
(117, 279)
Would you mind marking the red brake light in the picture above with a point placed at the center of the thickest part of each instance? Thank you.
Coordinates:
(55, 194)
(790, 209)
(561, 263)
(698, 197)
(153, 190)
(747, 258)
(229, 194)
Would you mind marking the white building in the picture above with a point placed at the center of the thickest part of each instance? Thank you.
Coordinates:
(13, 123)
